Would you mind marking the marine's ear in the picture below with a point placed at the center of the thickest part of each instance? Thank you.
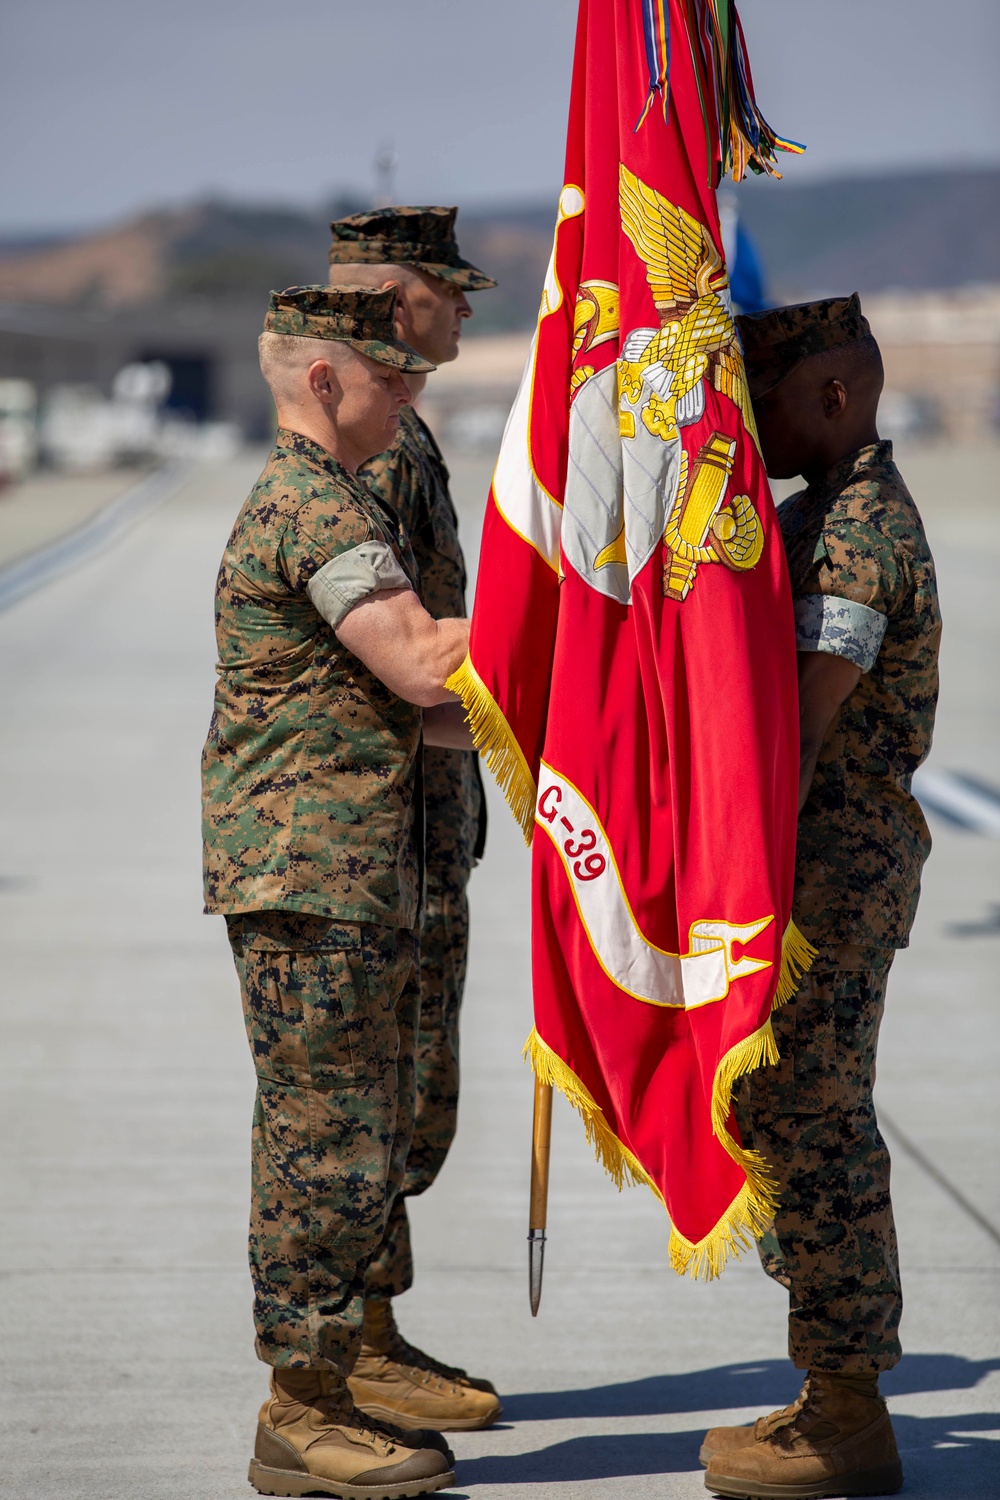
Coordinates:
(322, 380)
(835, 398)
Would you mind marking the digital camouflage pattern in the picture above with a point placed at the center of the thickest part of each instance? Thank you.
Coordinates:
(833, 1244)
(862, 838)
(444, 943)
(777, 341)
(840, 627)
(412, 477)
(862, 843)
(358, 316)
(406, 236)
(330, 1009)
(310, 766)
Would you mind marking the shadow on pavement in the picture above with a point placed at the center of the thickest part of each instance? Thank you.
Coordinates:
(577, 1459)
(957, 1456)
(769, 1384)
(953, 1456)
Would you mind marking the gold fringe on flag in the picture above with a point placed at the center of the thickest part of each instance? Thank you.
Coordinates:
(752, 1210)
(753, 1052)
(797, 954)
(495, 741)
(740, 1225)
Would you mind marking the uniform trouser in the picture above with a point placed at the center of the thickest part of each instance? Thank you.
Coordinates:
(812, 1117)
(444, 943)
(330, 1010)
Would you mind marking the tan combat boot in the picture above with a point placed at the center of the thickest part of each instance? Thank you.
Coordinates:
(836, 1440)
(724, 1440)
(395, 1382)
(312, 1441)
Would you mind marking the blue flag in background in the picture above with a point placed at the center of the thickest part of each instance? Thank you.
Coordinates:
(747, 286)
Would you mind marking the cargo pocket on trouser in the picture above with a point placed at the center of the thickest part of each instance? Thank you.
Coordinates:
(323, 1035)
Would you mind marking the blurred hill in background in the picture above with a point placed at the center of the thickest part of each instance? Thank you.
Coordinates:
(235, 253)
(184, 288)
(933, 229)
(917, 231)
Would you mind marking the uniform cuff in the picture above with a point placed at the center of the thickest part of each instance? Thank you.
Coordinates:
(352, 576)
(823, 622)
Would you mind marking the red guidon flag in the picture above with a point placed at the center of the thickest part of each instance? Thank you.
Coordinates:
(631, 675)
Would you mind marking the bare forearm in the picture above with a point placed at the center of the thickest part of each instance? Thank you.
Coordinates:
(808, 755)
(412, 653)
(825, 682)
(446, 726)
(442, 655)
(417, 667)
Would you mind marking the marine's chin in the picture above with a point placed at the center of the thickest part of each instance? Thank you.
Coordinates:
(450, 351)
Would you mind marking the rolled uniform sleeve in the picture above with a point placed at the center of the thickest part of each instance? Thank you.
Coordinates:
(860, 582)
(841, 627)
(351, 576)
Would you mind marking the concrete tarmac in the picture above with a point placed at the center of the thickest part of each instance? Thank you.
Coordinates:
(128, 1370)
(46, 506)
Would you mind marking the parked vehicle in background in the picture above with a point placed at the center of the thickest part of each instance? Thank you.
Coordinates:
(82, 432)
(18, 434)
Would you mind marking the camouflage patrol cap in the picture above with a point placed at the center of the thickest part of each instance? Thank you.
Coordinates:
(359, 316)
(422, 237)
(776, 342)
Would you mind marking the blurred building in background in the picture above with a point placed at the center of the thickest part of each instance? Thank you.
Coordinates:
(180, 293)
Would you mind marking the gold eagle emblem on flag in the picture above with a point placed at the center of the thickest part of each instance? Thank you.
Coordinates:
(697, 336)
(661, 379)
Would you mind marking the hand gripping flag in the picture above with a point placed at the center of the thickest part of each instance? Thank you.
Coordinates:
(631, 674)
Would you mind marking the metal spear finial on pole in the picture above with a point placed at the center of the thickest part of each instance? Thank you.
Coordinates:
(541, 1142)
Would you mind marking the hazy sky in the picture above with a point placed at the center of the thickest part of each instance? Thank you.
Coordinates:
(107, 106)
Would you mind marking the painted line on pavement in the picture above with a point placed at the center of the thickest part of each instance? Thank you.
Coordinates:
(27, 574)
(962, 800)
(912, 1150)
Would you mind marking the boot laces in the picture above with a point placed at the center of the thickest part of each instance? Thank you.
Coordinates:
(777, 1420)
(383, 1336)
(386, 1430)
(341, 1414)
(788, 1424)
(401, 1352)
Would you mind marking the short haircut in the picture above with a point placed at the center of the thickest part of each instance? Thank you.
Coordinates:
(858, 363)
(360, 273)
(285, 357)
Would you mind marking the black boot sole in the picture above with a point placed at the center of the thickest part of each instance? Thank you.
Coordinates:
(293, 1486)
(887, 1480)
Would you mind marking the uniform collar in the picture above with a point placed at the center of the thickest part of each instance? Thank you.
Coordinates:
(301, 446)
(848, 469)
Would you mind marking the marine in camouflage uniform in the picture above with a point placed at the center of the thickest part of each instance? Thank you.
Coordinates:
(864, 590)
(864, 587)
(393, 1378)
(413, 479)
(310, 773)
